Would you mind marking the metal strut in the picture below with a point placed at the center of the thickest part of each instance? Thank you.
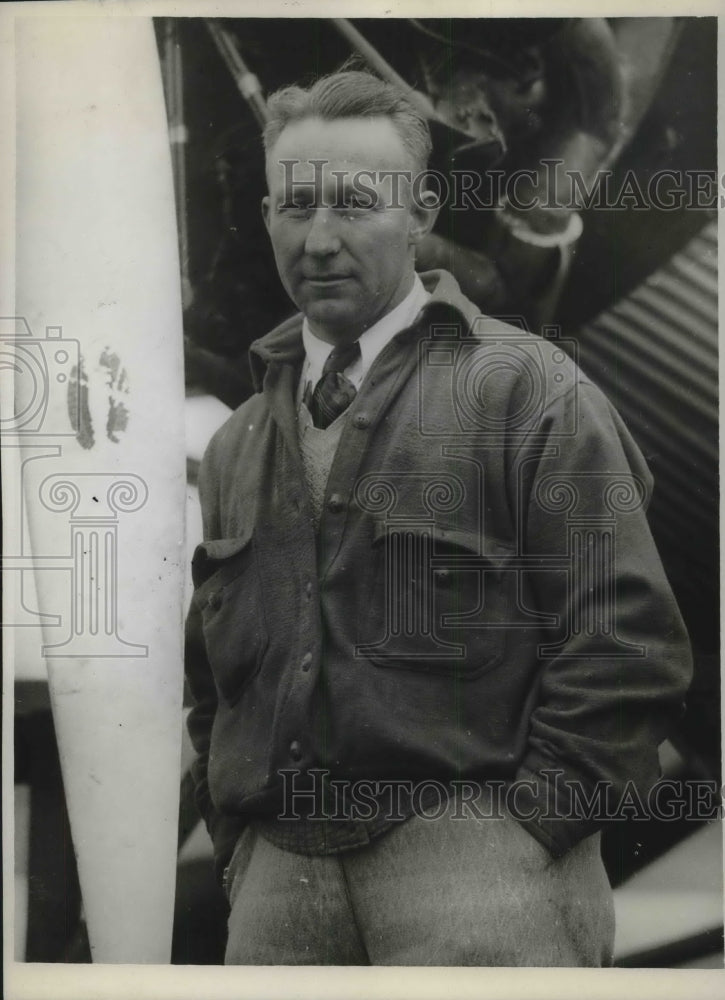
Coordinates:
(247, 83)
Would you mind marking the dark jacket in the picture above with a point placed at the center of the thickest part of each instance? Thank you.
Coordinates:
(483, 599)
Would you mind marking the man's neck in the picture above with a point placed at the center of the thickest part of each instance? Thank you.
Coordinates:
(372, 341)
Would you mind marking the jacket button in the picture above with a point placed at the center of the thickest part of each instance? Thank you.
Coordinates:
(215, 600)
(306, 661)
(308, 588)
(362, 421)
(335, 503)
(295, 750)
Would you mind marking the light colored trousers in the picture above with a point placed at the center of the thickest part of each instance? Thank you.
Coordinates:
(469, 892)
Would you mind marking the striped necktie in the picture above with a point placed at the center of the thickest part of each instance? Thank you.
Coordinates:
(334, 393)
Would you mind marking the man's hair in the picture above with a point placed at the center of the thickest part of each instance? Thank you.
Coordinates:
(349, 94)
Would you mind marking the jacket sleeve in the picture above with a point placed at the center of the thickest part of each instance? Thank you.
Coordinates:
(224, 830)
(616, 665)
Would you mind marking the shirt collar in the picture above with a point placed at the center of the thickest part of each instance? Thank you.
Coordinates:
(283, 345)
(371, 342)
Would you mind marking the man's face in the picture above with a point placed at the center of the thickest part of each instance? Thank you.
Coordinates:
(344, 261)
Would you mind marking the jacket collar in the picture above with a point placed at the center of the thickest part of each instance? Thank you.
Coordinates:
(283, 345)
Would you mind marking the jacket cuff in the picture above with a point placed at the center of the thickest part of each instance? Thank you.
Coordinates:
(544, 806)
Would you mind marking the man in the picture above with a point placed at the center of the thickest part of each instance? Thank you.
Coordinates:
(431, 643)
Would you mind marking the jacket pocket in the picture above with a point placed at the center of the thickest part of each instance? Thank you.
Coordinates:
(437, 605)
(228, 592)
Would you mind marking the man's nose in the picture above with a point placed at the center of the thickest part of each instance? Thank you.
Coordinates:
(322, 236)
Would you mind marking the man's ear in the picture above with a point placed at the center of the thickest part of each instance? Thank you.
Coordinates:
(265, 210)
(423, 214)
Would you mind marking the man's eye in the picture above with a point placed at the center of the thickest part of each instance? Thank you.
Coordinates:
(294, 210)
(356, 206)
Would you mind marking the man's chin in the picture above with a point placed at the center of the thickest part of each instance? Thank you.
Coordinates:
(332, 318)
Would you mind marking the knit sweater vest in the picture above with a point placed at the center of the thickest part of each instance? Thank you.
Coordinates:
(318, 447)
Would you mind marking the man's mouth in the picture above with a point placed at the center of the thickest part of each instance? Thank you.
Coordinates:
(325, 279)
